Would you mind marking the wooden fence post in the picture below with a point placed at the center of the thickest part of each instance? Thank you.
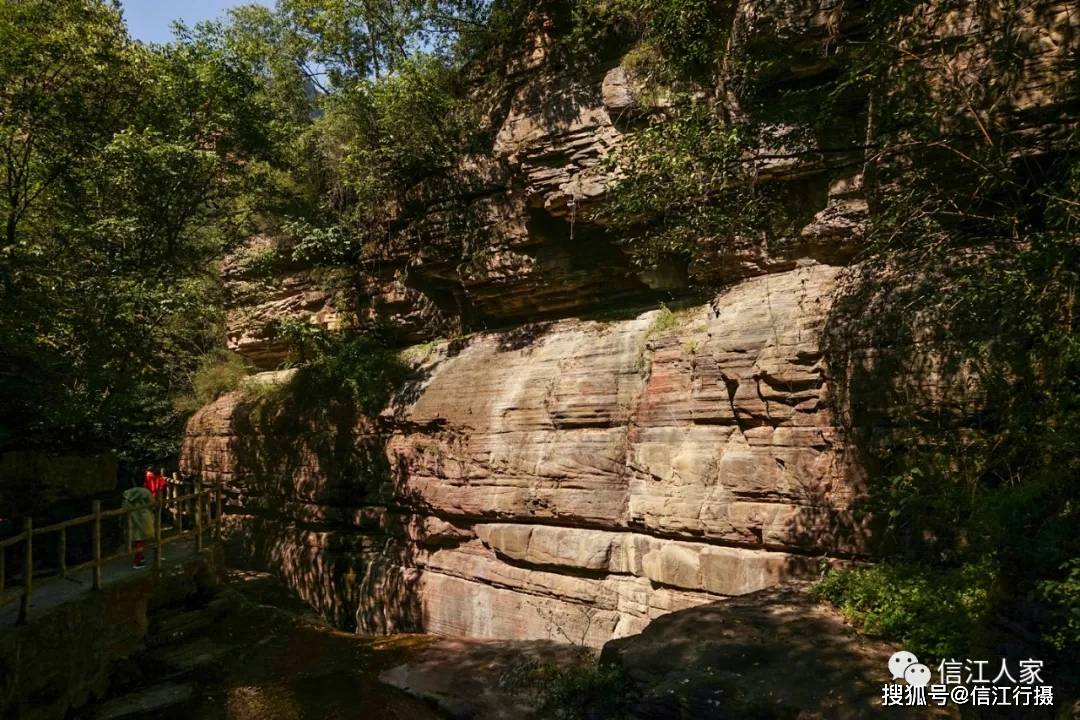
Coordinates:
(198, 515)
(158, 555)
(28, 571)
(63, 552)
(177, 507)
(97, 544)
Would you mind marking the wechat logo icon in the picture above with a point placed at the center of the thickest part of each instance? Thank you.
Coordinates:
(917, 675)
(905, 666)
(900, 662)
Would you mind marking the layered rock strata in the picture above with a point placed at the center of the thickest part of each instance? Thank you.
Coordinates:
(569, 480)
(573, 479)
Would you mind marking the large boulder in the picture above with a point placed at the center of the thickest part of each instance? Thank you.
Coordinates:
(772, 654)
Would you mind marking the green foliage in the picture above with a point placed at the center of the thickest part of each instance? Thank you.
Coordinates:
(416, 116)
(373, 39)
(120, 181)
(67, 74)
(576, 691)
(265, 262)
(970, 276)
(647, 64)
(687, 34)
(486, 46)
(1064, 597)
(130, 167)
(267, 62)
(359, 367)
(149, 191)
(217, 373)
(684, 188)
(300, 244)
(665, 320)
(988, 466)
(313, 245)
(382, 137)
(934, 613)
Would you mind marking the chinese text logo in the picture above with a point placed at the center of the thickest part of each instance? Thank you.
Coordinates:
(965, 682)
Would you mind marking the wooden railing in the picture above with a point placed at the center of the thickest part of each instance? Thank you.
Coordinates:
(193, 515)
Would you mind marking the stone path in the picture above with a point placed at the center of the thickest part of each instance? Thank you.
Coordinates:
(50, 592)
(151, 700)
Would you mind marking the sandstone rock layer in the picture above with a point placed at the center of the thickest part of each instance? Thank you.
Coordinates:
(569, 480)
(573, 479)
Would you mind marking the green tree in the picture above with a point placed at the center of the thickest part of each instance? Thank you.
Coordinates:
(126, 170)
(66, 75)
(359, 39)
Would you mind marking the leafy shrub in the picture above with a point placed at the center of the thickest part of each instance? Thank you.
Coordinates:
(932, 612)
(265, 263)
(313, 245)
(683, 186)
(646, 63)
(217, 373)
(688, 34)
(301, 244)
(1064, 599)
(970, 275)
(985, 467)
(358, 366)
(665, 320)
(380, 137)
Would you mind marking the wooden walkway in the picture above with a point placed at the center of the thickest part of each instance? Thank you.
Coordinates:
(55, 591)
(182, 523)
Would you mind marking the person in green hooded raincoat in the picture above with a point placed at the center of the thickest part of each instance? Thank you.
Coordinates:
(140, 521)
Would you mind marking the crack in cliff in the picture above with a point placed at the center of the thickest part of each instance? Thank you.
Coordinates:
(463, 521)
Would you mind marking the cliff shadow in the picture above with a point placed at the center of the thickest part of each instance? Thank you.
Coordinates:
(951, 367)
(723, 660)
(310, 497)
(899, 374)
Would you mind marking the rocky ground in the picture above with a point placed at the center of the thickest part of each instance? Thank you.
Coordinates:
(777, 653)
(255, 651)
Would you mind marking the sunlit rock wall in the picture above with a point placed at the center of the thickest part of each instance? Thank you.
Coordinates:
(567, 480)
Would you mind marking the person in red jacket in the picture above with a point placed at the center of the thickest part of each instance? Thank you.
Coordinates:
(155, 482)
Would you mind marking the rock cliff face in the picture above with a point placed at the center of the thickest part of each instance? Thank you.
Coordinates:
(562, 477)
(567, 480)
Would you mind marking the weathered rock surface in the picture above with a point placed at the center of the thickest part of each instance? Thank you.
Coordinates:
(570, 480)
(469, 679)
(773, 654)
(140, 704)
(254, 301)
(575, 479)
(513, 235)
(776, 653)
